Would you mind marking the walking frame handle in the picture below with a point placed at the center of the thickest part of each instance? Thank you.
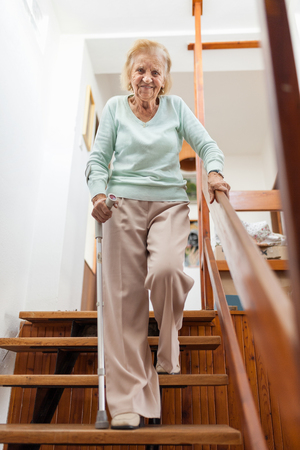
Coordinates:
(101, 420)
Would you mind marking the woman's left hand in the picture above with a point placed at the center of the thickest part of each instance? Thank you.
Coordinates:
(217, 183)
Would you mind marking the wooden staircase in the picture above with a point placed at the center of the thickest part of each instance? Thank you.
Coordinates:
(56, 365)
(55, 381)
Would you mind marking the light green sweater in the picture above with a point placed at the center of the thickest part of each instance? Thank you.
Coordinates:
(146, 164)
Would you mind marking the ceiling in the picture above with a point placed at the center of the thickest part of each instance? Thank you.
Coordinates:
(110, 27)
(235, 105)
(121, 17)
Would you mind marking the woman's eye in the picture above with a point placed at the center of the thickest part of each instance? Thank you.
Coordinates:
(155, 73)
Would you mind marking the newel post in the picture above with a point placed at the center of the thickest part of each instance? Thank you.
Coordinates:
(203, 212)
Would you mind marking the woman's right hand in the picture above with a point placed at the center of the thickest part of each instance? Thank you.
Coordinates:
(100, 211)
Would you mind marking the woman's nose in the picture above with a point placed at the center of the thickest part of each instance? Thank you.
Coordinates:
(147, 78)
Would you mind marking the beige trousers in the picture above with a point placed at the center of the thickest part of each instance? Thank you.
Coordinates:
(143, 249)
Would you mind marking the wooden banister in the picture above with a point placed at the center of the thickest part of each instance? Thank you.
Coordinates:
(270, 311)
(253, 434)
(284, 108)
(274, 319)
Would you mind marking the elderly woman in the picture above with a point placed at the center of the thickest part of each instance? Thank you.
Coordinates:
(146, 235)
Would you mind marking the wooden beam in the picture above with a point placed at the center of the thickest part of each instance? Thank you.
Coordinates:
(254, 437)
(200, 205)
(227, 45)
(204, 229)
(274, 264)
(201, 6)
(209, 298)
(198, 66)
(284, 107)
(276, 222)
(255, 200)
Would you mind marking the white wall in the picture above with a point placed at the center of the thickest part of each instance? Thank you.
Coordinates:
(77, 207)
(44, 199)
(58, 250)
(25, 79)
(269, 161)
(293, 8)
(236, 109)
(53, 190)
(247, 173)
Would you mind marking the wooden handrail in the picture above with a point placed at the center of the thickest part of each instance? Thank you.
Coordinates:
(270, 312)
(284, 107)
(253, 434)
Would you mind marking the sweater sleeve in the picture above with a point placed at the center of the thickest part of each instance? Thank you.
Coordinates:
(97, 167)
(196, 135)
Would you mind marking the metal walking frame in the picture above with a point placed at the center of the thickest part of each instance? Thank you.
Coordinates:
(101, 420)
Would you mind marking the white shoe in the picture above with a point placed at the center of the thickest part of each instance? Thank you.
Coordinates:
(126, 421)
(161, 370)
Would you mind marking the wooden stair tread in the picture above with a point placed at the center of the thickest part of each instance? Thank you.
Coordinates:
(87, 434)
(91, 316)
(89, 344)
(31, 381)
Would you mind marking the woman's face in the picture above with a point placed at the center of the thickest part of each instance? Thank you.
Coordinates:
(147, 76)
